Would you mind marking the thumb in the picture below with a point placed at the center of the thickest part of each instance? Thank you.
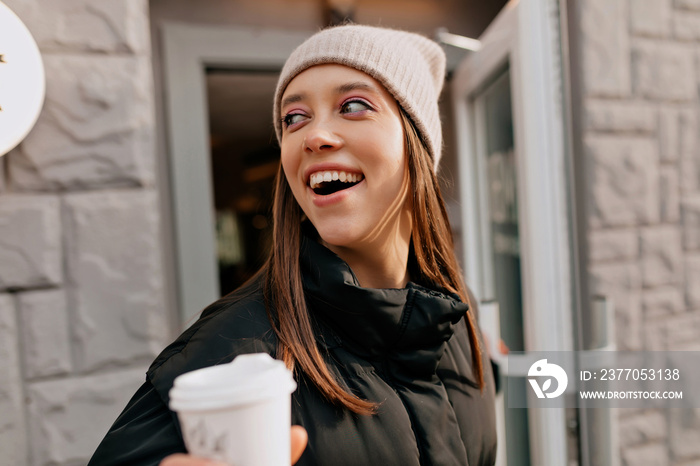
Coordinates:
(299, 441)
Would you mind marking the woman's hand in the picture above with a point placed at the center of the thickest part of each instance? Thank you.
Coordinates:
(299, 440)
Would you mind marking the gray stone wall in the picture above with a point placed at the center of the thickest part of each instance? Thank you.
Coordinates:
(81, 281)
(82, 308)
(641, 81)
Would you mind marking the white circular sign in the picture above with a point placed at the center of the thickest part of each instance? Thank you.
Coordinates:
(22, 84)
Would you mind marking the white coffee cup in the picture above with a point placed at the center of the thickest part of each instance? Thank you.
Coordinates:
(239, 412)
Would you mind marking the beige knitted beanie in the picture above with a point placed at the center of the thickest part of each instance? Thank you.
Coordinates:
(411, 67)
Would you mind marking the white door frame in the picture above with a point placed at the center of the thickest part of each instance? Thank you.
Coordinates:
(525, 36)
(188, 51)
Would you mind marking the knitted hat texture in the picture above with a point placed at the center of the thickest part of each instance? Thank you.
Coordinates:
(410, 66)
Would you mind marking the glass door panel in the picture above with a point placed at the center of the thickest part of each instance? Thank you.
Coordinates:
(512, 178)
(502, 284)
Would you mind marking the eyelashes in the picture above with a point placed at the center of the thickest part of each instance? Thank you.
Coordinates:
(355, 106)
(292, 118)
(348, 107)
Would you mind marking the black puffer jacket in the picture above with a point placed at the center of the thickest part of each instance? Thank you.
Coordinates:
(406, 349)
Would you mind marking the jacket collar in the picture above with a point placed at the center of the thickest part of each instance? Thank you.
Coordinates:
(378, 323)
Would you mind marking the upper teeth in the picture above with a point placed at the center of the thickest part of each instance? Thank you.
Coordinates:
(319, 177)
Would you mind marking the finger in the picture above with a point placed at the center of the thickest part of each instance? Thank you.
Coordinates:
(503, 348)
(180, 459)
(299, 440)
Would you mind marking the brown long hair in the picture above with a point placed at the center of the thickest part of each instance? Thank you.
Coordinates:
(434, 259)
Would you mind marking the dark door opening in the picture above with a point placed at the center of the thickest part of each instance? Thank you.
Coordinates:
(245, 157)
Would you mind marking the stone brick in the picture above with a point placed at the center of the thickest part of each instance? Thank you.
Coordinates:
(622, 284)
(692, 344)
(692, 278)
(69, 417)
(613, 245)
(690, 222)
(684, 433)
(45, 336)
(605, 48)
(687, 4)
(669, 195)
(114, 263)
(687, 463)
(651, 18)
(654, 454)
(30, 241)
(686, 26)
(13, 431)
(645, 427)
(3, 172)
(619, 116)
(663, 71)
(624, 413)
(683, 329)
(622, 181)
(677, 133)
(655, 335)
(661, 256)
(96, 129)
(690, 173)
(661, 302)
(86, 25)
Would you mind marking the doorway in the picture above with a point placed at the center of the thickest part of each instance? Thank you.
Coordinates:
(244, 161)
(513, 198)
(220, 183)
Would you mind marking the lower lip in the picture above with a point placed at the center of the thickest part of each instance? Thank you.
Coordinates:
(336, 197)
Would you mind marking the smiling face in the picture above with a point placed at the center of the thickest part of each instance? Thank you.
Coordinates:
(344, 158)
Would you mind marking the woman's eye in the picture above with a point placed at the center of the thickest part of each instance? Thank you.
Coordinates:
(354, 106)
(292, 118)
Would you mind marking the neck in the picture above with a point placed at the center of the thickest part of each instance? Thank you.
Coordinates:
(386, 269)
(380, 262)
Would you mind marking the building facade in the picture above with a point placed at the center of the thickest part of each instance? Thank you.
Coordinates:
(639, 88)
(88, 261)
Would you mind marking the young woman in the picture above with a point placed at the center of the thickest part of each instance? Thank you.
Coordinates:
(361, 295)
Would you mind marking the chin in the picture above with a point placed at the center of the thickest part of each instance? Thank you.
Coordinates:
(337, 236)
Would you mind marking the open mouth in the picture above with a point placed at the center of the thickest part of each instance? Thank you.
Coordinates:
(329, 182)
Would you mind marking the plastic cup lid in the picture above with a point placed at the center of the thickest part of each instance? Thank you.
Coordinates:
(249, 378)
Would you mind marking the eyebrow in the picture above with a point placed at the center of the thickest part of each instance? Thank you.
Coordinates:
(343, 88)
(354, 86)
(291, 99)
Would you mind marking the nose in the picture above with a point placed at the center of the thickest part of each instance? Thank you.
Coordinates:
(320, 138)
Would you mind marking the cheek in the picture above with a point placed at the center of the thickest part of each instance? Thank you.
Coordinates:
(395, 144)
(395, 156)
(386, 143)
(290, 165)
(396, 164)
